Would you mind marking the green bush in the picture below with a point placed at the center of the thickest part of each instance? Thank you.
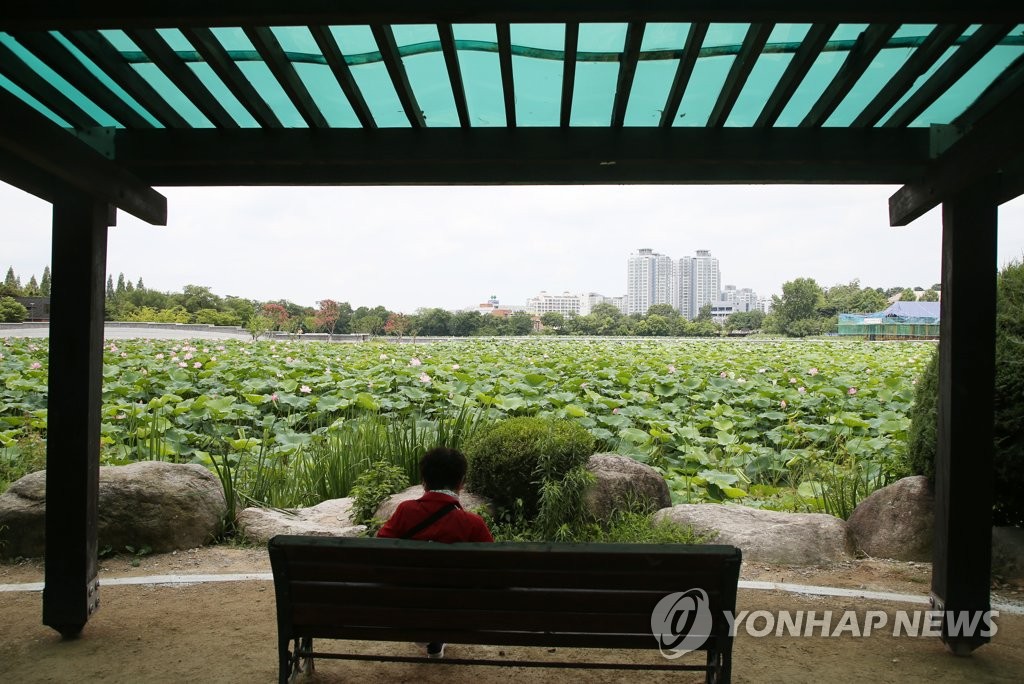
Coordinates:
(1008, 461)
(12, 311)
(510, 460)
(373, 487)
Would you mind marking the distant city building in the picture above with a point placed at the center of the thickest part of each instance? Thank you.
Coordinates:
(743, 299)
(618, 302)
(544, 302)
(495, 308)
(721, 310)
(699, 282)
(650, 279)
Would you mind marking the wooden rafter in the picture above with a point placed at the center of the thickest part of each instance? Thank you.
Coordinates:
(385, 38)
(451, 61)
(691, 50)
(627, 70)
(572, 34)
(794, 74)
(339, 67)
(753, 43)
(29, 80)
(508, 90)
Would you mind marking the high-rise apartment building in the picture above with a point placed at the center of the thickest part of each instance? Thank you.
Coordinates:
(700, 282)
(651, 279)
(742, 299)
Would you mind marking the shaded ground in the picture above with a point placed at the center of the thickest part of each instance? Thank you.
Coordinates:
(226, 632)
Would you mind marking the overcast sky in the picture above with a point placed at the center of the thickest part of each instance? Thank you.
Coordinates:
(452, 247)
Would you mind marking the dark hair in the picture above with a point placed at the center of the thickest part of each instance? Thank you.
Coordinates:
(442, 468)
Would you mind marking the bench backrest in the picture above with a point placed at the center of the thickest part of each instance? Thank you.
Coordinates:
(599, 595)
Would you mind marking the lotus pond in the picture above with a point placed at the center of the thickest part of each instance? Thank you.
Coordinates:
(796, 425)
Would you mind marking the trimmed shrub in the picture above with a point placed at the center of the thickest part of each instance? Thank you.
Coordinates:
(1008, 460)
(509, 460)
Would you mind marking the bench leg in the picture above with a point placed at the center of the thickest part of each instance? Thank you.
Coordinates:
(284, 662)
(306, 661)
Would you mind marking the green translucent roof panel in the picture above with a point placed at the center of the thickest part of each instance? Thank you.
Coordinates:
(311, 67)
(420, 47)
(954, 101)
(258, 74)
(883, 67)
(360, 50)
(106, 80)
(537, 52)
(778, 52)
(820, 75)
(659, 58)
(717, 54)
(65, 88)
(477, 46)
(596, 73)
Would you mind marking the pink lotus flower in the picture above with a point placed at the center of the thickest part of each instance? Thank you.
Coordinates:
(119, 416)
(851, 391)
(801, 390)
(36, 365)
(305, 389)
(182, 364)
(671, 368)
(615, 411)
(415, 362)
(383, 357)
(188, 356)
(159, 357)
(782, 404)
(124, 355)
(455, 366)
(813, 371)
(113, 347)
(762, 370)
(197, 365)
(273, 397)
(723, 374)
(424, 377)
(792, 381)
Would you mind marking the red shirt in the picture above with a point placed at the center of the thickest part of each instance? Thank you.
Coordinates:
(456, 526)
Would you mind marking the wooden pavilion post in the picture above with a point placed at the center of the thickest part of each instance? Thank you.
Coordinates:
(962, 556)
(79, 259)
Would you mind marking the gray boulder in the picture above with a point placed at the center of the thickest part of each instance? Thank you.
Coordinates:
(619, 480)
(469, 501)
(767, 536)
(1008, 552)
(896, 521)
(331, 518)
(162, 506)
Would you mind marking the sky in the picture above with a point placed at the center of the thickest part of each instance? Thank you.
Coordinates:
(416, 247)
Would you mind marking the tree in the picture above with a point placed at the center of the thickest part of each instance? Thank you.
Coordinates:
(399, 325)
(704, 314)
(464, 323)
(197, 297)
(796, 312)
(908, 295)
(552, 319)
(663, 310)
(12, 311)
(120, 284)
(32, 288)
(369, 324)
(520, 323)
(929, 296)
(11, 281)
(110, 287)
(139, 285)
(44, 284)
(277, 314)
(258, 325)
(851, 298)
(326, 316)
(745, 320)
(433, 322)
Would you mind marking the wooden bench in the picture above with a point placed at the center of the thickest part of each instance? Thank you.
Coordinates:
(551, 595)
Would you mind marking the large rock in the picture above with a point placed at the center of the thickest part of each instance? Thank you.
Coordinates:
(767, 536)
(896, 521)
(162, 506)
(331, 518)
(469, 501)
(620, 480)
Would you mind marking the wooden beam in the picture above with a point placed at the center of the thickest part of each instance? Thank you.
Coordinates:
(385, 38)
(181, 75)
(572, 35)
(965, 57)
(992, 142)
(627, 70)
(753, 43)
(339, 67)
(280, 66)
(57, 14)
(802, 61)
(962, 555)
(59, 58)
(207, 45)
(451, 61)
(508, 88)
(39, 144)
(26, 78)
(867, 46)
(691, 50)
(922, 59)
(94, 46)
(70, 593)
(531, 155)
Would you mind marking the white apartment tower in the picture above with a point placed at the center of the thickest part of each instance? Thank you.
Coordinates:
(700, 282)
(651, 279)
(544, 302)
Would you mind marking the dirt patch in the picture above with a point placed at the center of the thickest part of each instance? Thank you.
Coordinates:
(226, 632)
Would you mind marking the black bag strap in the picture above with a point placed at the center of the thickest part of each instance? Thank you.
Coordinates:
(431, 519)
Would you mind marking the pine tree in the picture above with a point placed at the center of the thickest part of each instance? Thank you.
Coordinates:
(120, 283)
(32, 289)
(44, 284)
(12, 280)
(110, 286)
(139, 285)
